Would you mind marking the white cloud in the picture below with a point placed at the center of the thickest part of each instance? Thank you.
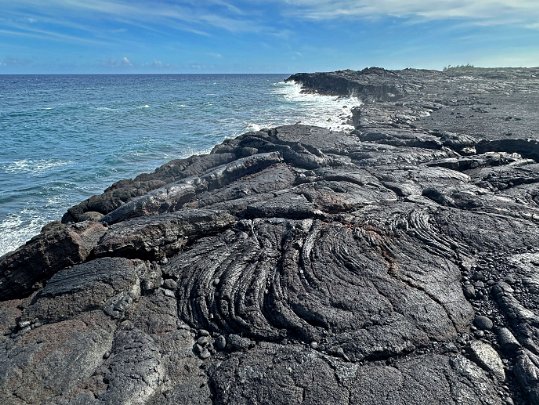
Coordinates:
(123, 62)
(489, 12)
(158, 64)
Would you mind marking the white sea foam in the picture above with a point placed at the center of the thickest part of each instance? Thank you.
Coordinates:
(31, 166)
(251, 126)
(104, 109)
(331, 112)
(14, 231)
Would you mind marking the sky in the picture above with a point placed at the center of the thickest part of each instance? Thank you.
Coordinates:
(255, 36)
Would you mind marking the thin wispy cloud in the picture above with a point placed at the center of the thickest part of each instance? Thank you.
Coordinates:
(189, 16)
(49, 35)
(199, 17)
(486, 12)
(14, 62)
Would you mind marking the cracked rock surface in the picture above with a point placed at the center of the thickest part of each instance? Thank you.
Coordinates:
(394, 264)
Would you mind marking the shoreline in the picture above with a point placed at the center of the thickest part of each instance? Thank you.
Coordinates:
(298, 263)
(40, 186)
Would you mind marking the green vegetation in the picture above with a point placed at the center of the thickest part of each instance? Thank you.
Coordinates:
(459, 67)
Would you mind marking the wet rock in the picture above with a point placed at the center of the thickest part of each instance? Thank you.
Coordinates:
(370, 84)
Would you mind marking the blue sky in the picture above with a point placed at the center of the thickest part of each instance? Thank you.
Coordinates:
(274, 36)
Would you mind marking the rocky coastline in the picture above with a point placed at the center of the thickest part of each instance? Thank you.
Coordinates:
(395, 264)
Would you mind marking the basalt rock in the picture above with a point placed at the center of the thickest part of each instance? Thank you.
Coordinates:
(394, 264)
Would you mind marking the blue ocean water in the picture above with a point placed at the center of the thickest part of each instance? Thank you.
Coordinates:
(65, 138)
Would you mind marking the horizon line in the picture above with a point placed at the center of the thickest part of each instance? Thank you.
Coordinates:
(449, 67)
(139, 74)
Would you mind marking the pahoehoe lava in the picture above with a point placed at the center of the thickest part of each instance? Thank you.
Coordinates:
(394, 264)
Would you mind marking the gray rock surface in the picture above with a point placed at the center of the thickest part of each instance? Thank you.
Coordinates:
(395, 264)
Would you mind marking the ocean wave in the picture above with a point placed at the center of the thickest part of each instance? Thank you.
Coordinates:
(251, 126)
(16, 229)
(331, 112)
(31, 166)
(104, 109)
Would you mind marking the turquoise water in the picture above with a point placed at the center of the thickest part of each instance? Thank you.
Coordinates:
(65, 138)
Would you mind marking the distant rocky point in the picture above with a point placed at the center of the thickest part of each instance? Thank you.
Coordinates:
(395, 264)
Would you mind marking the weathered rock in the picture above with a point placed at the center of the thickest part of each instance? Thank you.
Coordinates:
(173, 196)
(236, 342)
(160, 235)
(134, 372)
(125, 190)
(383, 305)
(57, 247)
(370, 84)
(487, 358)
(293, 375)
(527, 373)
(51, 360)
(110, 284)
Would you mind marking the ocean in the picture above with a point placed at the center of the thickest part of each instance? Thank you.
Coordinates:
(67, 137)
